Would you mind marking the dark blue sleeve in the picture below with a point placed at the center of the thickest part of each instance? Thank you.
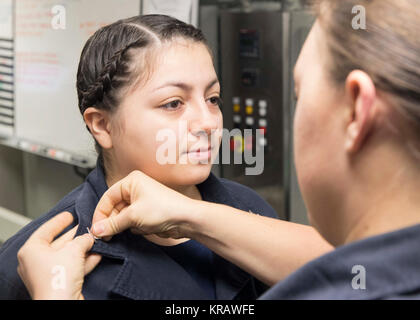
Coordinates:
(11, 286)
(249, 199)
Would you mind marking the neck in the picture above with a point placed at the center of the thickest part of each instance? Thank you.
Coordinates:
(190, 191)
(384, 203)
(386, 216)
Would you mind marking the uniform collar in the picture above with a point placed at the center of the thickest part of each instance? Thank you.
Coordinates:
(151, 280)
(93, 189)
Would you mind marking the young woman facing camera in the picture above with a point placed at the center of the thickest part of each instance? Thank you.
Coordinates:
(136, 77)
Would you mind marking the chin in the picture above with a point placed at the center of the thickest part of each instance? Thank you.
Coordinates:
(180, 175)
(193, 174)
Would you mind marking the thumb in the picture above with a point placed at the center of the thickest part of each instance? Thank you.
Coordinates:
(91, 262)
(112, 225)
(83, 243)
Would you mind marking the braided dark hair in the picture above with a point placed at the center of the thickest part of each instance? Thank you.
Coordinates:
(107, 66)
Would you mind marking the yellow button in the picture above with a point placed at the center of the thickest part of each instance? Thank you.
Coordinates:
(249, 110)
(239, 144)
(236, 108)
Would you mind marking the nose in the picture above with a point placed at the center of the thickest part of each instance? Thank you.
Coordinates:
(203, 120)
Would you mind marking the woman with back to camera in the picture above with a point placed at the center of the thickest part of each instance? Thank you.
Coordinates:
(136, 77)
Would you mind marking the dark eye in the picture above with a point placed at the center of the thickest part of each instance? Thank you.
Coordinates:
(173, 105)
(216, 101)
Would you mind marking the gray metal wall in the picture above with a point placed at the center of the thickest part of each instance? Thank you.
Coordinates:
(31, 186)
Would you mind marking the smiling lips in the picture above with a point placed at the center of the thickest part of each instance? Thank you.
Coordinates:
(200, 153)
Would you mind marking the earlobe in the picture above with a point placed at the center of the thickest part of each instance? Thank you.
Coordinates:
(352, 143)
(99, 126)
(361, 92)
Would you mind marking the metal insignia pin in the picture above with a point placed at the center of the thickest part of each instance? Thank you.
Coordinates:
(94, 237)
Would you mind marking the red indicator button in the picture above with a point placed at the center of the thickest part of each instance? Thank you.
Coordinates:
(264, 129)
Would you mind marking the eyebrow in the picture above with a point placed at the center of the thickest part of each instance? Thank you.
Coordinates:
(185, 86)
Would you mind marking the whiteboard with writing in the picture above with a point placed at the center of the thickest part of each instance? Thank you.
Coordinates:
(48, 41)
(6, 69)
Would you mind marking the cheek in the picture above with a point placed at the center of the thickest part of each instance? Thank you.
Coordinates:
(310, 142)
(137, 140)
(318, 154)
(300, 128)
(305, 132)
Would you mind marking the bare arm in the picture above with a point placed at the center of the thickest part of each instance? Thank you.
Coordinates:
(269, 249)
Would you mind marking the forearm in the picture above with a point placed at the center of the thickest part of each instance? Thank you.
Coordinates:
(269, 249)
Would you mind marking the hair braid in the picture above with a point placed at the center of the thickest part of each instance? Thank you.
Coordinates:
(98, 90)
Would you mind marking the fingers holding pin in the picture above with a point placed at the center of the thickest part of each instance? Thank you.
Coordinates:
(92, 235)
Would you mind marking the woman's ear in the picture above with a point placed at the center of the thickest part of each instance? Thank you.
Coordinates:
(361, 93)
(99, 125)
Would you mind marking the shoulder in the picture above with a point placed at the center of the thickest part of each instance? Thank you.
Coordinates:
(248, 198)
(11, 286)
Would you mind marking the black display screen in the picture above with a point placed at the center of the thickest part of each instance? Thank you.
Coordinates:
(249, 43)
(250, 77)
